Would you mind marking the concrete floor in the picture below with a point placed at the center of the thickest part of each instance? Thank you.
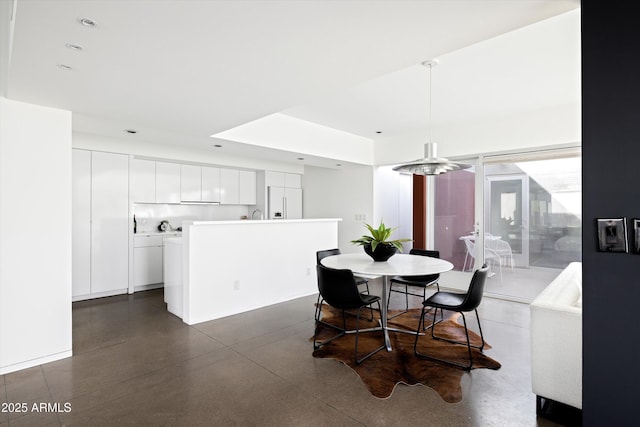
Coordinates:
(136, 364)
(517, 284)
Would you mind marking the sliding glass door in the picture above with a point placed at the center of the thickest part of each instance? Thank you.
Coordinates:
(519, 213)
(506, 216)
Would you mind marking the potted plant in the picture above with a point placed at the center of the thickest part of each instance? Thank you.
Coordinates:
(377, 245)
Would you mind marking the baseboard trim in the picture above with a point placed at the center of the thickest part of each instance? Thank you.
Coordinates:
(35, 362)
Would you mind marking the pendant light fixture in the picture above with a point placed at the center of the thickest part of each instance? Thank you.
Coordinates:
(431, 164)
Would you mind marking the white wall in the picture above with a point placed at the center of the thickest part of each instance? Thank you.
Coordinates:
(35, 235)
(340, 193)
(393, 202)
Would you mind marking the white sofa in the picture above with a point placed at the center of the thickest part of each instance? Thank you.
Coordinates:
(556, 339)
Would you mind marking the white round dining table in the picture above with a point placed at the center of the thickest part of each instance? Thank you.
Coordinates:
(397, 265)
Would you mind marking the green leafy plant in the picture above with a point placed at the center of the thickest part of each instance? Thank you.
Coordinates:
(379, 236)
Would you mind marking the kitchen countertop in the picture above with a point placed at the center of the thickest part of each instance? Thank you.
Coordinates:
(159, 233)
(261, 221)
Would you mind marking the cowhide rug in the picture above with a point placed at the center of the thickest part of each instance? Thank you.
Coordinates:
(384, 370)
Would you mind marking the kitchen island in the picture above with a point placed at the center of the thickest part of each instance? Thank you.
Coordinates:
(220, 268)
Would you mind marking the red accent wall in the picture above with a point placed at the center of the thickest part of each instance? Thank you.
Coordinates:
(419, 212)
(454, 214)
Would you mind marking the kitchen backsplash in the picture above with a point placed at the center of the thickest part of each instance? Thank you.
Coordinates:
(148, 216)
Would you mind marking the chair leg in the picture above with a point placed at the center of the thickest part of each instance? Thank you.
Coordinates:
(435, 311)
(467, 343)
(359, 361)
(466, 332)
(366, 283)
(343, 331)
(420, 322)
(406, 298)
(481, 348)
(318, 314)
(318, 306)
(371, 306)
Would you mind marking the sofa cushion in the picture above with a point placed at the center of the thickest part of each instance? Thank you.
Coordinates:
(565, 290)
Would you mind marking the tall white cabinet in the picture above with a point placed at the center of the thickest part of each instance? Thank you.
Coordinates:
(100, 224)
(81, 222)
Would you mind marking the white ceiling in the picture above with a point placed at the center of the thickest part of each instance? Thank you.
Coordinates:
(180, 71)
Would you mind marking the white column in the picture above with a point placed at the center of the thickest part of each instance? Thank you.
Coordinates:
(35, 235)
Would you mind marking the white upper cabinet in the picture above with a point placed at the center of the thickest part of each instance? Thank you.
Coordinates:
(191, 183)
(283, 179)
(167, 181)
(210, 184)
(292, 180)
(155, 182)
(143, 181)
(229, 186)
(274, 179)
(247, 188)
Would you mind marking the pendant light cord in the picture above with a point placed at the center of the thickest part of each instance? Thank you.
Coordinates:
(430, 109)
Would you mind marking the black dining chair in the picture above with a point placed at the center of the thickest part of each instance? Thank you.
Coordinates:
(320, 255)
(408, 282)
(338, 289)
(460, 302)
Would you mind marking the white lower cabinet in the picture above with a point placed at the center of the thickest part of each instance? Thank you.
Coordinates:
(147, 266)
(147, 260)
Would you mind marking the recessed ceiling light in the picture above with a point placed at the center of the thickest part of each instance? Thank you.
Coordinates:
(300, 158)
(74, 47)
(378, 131)
(88, 22)
(65, 67)
(131, 131)
(338, 164)
(217, 145)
